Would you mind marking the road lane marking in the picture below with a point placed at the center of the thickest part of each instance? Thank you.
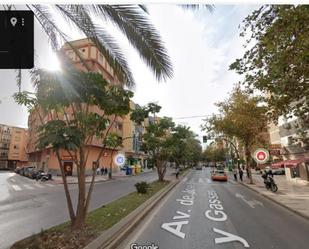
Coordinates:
(208, 180)
(252, 203)
(12, 180)
(200, 180)
(50, 185)
(185, 179)
(27, 186)
(16, 187)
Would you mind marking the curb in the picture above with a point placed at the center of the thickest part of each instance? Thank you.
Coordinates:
(277, 202)
(112, 237)
(106, 180)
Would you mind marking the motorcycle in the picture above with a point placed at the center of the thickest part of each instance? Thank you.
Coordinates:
(270, 183)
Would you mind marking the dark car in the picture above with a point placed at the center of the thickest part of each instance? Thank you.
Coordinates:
(27, 171)
(17, 170)
(198, 167)
(279, 171)
(33, 174)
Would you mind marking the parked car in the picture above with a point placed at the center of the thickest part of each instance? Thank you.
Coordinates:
(23, 169)
(198, 167)
(279, 171)
(27, 170)
(17, 170)
(43, 176)
(34, 173)
(218, 175)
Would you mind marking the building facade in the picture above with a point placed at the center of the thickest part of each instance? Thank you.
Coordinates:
(46, 159)
(294, 150)
(13, 147)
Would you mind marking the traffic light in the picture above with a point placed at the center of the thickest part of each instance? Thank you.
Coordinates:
(204, 139)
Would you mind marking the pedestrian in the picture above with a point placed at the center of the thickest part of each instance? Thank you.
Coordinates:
(102, 171)
(241, 173)
(106, 171)
(98, 171)
(235, 174)
(177, 173)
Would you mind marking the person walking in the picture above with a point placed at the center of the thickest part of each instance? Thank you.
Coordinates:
(98, 171)
(177, 173)
(102, 171)
(235, 174)
(105, 171)
(241, 173)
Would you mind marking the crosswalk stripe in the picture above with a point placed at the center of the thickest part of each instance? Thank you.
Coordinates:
(200, 180)
(27, 186)
(50, 185)
(185, 179)
(208, 180)
(16, 188)
(12, 180)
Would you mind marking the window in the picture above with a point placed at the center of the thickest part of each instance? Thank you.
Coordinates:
(290, 140)
(101, 59)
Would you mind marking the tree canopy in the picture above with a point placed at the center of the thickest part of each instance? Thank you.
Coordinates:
(278, 62)
(241, 116)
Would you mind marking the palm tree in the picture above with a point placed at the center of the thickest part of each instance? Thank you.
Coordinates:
(133, 22)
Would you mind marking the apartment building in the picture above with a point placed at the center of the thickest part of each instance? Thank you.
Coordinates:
(294, 152)
(46, 158)
(13, 141)
(132, 140)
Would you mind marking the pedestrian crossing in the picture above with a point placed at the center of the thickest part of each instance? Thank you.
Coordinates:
(21, 187)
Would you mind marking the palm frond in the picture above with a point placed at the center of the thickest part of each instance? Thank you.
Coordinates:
(144, 8)
(136, 26)
(79, 15)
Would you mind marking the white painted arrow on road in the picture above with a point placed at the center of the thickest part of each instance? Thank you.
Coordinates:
(252, 203)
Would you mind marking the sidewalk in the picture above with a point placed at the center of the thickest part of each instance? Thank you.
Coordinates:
(293, 195)
(98, 178)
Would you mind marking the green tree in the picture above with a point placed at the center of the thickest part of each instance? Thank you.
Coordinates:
(241, 116)
(66, 98)
(183, 147)
(212, 154)
(278, 61)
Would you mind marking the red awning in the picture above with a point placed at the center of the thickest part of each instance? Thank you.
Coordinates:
(277, 165)
(294, 163)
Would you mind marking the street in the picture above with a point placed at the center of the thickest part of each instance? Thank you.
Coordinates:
(200, 214)
(27, 206)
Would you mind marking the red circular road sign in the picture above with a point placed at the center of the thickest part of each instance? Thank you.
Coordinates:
(261, 155)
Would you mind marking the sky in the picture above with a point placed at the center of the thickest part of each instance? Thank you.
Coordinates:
(201, 46)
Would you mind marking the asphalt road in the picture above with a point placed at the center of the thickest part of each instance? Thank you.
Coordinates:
(27, 206)
(202, 214)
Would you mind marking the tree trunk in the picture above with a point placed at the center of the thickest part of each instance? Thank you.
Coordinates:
(248, 167)
(81, 204)
(161, 169)
(66, 189)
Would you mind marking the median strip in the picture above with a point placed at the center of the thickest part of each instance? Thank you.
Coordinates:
(106, 226)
